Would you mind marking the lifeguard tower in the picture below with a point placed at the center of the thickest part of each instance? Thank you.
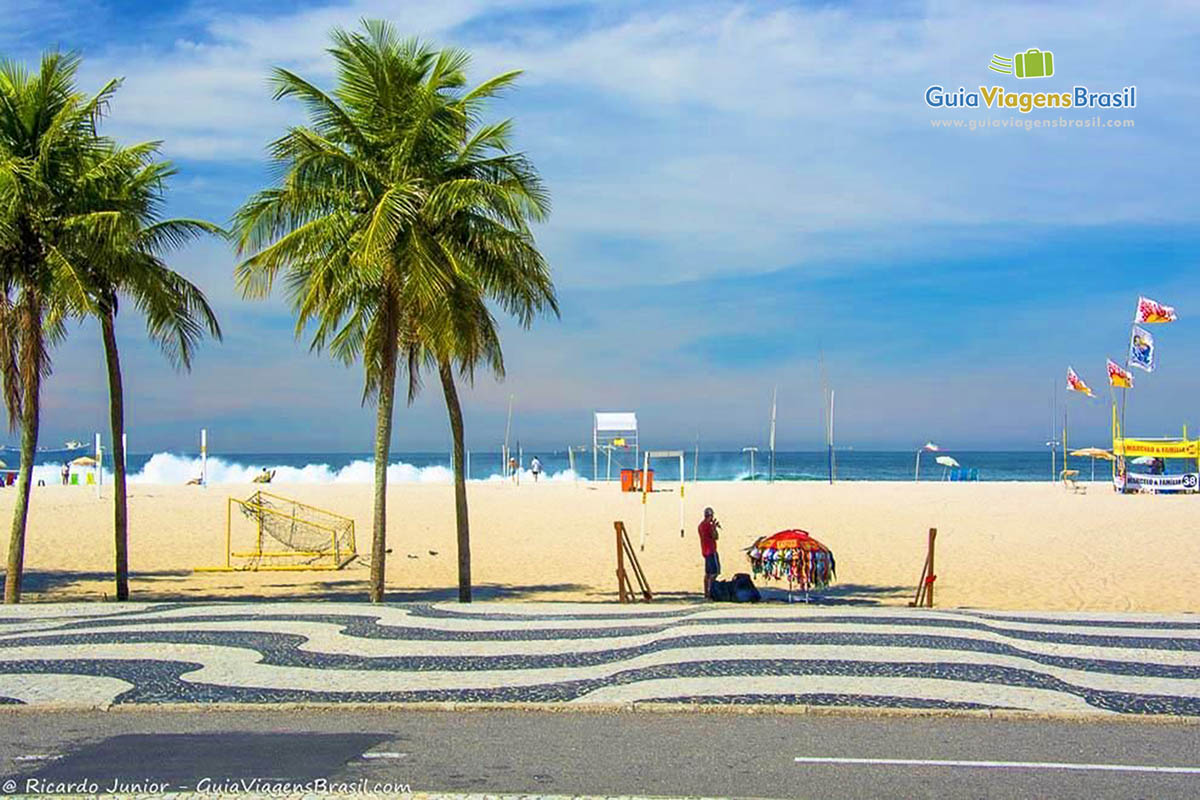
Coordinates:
(1127, 481)
(613, 430)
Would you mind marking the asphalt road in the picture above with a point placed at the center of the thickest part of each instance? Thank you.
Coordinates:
(729, 755)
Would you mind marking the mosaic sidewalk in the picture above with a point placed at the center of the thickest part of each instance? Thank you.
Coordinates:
(98, 655)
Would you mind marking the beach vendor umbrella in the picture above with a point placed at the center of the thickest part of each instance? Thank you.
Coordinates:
(1143, 460)
(3, 465)
(794, 556)
(947, 462)
(84, 461)
(1093, 453)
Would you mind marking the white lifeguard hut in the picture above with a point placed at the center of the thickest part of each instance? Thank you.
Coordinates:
(613, 429)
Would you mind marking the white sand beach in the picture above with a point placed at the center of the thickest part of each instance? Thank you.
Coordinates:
(1000, 545)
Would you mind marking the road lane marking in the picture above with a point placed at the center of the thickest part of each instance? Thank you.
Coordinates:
(926, 762)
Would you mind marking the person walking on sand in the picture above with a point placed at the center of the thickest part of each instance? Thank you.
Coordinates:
(708, 530)
(535, 467)
(66, 474)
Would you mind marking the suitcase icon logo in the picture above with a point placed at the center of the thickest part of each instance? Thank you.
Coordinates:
(1033, 63)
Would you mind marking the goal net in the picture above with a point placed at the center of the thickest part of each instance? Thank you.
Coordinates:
(270, 532)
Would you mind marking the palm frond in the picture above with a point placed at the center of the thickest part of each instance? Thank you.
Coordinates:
(399, 218)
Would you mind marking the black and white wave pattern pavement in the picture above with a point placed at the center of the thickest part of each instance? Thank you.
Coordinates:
(600, 654)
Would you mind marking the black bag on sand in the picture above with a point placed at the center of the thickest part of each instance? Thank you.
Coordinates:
(721, 591)
(744, 590)
(739, 590)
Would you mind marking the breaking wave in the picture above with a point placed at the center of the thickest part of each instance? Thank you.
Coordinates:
(173, 469)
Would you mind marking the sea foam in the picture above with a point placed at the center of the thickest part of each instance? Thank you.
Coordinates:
(173, 469)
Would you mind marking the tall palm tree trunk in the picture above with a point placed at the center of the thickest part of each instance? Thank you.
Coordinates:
(32, 384)
(383, 441)
(463, 524)
(116, 413)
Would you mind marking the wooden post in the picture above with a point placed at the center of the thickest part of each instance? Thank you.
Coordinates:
(932, 576)
(621, 578)
(624, 553)
(924, 595)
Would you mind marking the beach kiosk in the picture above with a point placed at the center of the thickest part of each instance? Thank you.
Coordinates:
(613, 430)
(1128, 451)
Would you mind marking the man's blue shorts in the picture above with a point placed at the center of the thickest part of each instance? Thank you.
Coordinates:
(712, 565)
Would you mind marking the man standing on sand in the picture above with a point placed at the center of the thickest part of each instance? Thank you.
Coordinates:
(535, 467)
(708, 548)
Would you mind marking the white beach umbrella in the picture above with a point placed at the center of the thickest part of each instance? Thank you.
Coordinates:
(947, 462)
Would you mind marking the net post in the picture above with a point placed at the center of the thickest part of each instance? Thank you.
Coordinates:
(681, 484)
(228, 533)
(645, 473)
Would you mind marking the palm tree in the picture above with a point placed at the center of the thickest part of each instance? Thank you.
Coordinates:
(127, 261)
(358, 219)
(48, 145)
(480, 210)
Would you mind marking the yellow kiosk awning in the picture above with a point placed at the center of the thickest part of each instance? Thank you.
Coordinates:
(1159, 448)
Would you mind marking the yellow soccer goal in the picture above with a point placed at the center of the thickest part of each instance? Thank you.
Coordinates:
(269, 532)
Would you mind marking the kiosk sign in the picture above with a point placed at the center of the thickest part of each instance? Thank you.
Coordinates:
(1168, 448)
(1133, 481)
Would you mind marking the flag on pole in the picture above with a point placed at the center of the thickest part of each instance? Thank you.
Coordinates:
(1076, 384)
(1141, 349)
(1121, 378)
(931, 446)
(1150, 311)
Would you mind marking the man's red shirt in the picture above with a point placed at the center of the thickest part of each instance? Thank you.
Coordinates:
(708, 542)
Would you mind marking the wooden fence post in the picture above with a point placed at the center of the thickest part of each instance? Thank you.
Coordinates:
(924, 595)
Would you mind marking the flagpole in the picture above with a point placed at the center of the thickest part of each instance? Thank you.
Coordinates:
(1066, 403)
(1051, 443)
(774, 398)
(1125, 389)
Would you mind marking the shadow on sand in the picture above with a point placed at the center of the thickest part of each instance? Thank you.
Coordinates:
(69, 585)
(183, 586)
(844, 594)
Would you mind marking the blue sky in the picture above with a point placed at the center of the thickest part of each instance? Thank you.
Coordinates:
(734, 184)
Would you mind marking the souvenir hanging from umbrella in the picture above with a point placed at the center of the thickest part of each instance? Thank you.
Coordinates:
(794, 556)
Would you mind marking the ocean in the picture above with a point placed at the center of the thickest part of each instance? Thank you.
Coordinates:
(426, 467)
